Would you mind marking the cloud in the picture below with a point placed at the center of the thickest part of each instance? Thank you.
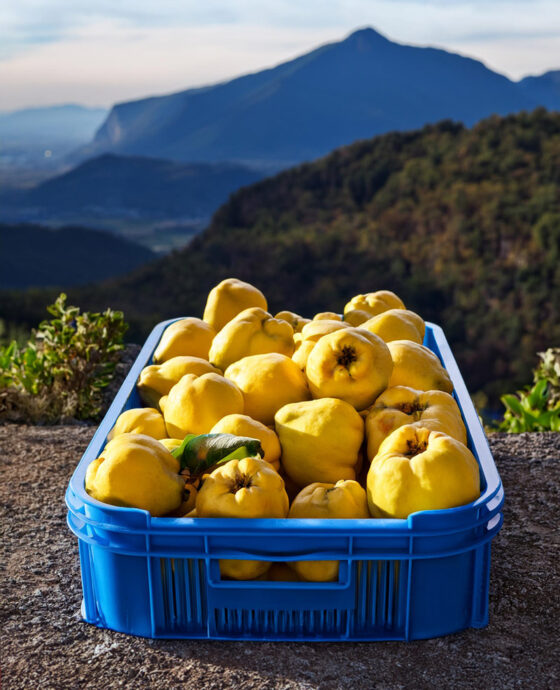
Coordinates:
(98, 52)
(105, 63)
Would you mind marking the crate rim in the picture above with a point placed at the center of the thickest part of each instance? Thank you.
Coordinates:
(489, 502)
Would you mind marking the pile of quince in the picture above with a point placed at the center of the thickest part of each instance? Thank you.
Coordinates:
(260, 416)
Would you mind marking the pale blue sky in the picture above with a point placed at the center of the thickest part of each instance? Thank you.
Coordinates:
(98, 52)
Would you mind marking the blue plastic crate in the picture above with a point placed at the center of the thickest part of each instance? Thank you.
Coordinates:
(408, 579)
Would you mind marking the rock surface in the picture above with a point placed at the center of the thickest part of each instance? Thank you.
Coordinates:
(44, 643)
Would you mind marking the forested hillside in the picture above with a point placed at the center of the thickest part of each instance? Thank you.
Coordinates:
(463, 224)
(33, 255)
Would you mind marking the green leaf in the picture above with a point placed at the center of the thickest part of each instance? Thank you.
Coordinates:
(178, 452)
(512, 403)
(198, 454)
(538, 395)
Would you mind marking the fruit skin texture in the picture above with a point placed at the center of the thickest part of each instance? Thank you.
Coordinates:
(417, 367)
(419, 469)
(311, 333)
(345, 499)
(351, 365)
(268, 382)
(136, 471)
(248, 488)
(190, 336)
(397, 324)
(252, 332)
(314, 330)
(229, 298)
(327, 316)
(303, 350)
(170, 443)
(296, 321)
(196, 403)
(158, 379)
(362, 307)
(320, 440)
(401, 405)
(139, 420)
(243, 425)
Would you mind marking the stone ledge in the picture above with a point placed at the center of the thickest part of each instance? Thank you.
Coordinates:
(45, 644)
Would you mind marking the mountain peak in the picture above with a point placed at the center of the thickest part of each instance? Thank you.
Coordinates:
(366, 35)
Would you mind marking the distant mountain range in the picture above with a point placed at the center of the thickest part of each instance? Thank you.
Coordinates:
(304, 108)
(51, 124)
(125, 193)
(119, 185)
(544, 89)
(464, 224)
(35, 256)
(35, 142)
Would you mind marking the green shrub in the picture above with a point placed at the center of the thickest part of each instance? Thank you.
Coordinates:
(62, 371)
(536, 408)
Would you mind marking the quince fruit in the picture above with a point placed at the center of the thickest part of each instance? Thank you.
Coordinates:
(252, 332)
(397, 324)
(158, 379)
(311, 334)
(296, 321)
(303, 350)
(196, 403)
(281, 572)
(189, 336)
(362, 307)
(401, 405)
(228, 299)
(243, 425)
(420, 469)
(248, 488)
(315, 330)
(136, 471)
(171, 443)
(268, 382)
(344, 500)
(349, 364)
(320, 440)
(139, 420)
(327, 316)
(417, 367)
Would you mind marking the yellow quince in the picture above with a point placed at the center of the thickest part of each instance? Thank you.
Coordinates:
(310, 335)
(229, 298)
(248, 488)
(397, 324)
(362, 307)
(189, 336)
(196, 403)
(281, 572)
(136, 471)
(401, 405)
(327, 316)
(268, 382)
(171, 443)
(296, 321)
(420, 469)
(349, 364)
(417, 367)
(158, 379)
(252, 332)
(243, 425)
(139, 420)
(320, 440)
(344, 500)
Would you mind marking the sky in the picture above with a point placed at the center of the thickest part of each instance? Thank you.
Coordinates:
(98, 52)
